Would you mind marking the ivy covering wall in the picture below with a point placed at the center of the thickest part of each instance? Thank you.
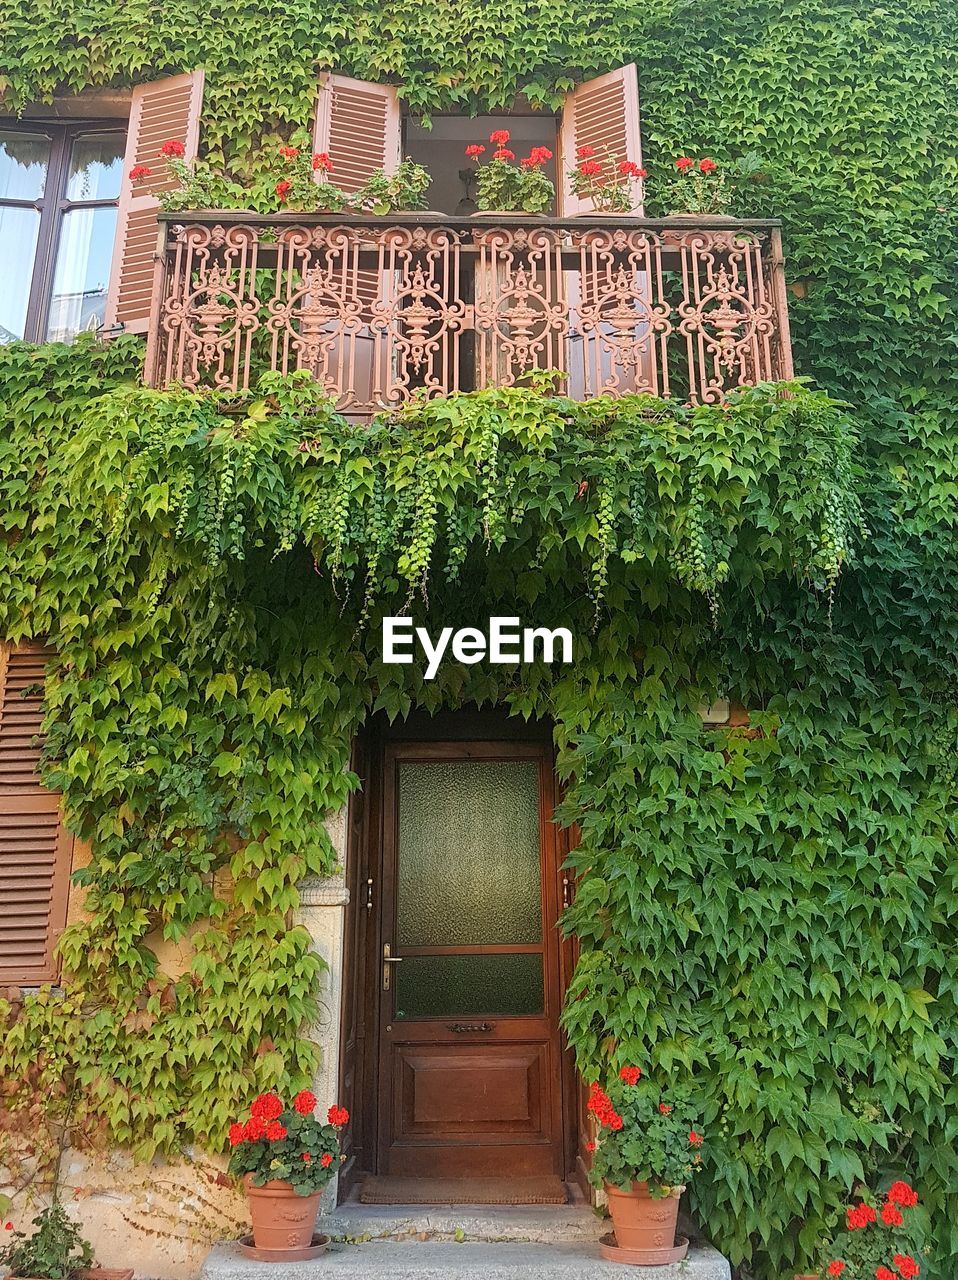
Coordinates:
(771, 914)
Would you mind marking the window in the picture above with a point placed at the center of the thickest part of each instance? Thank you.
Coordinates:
(59, 185)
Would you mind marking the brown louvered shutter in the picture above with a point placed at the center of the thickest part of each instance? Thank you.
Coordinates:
(360, 125)
(161, 111)
(602, 114)
(35, 847)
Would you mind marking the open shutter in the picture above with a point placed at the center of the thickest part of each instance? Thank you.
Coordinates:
(359, 124)
(602, 114)
(35, 847)
(160, 112)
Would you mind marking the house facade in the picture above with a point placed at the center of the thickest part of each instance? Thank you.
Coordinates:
(254, 851)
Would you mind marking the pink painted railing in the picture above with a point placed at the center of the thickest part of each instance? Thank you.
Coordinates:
(383, 309)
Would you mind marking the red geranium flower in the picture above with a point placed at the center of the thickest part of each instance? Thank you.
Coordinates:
(590, 1146)
(267, 1106)
(901, 1193)
(583, 153)
(289, 153)
(475, 149)
(304, 1102)
(882, 1273)
(683, 163)
(629, 169)
(237, 1134)
(275, 1131)
(503, 154)
(337, 1116)
(283, 188)
(707, 165)
(907, 1266)
(322, 161)
(255, 1129)
(173, 148)
(500, 137)
(891, 1215)
(590, 168)
(140, 171)
(615, 1121)
(695, 1138)
(836, 1268)
(665, 1108)
(326, 1160)
(630, 1075)
(307, 1158)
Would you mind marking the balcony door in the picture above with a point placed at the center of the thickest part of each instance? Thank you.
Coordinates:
(468, 965)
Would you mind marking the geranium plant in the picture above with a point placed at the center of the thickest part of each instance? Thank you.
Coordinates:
(55, 1249)
(287, 1144)
(698, 187)
(505, 183)
(882, 1239)
(392, 193)
(643, 1135)
(300, 180)
(605, 180)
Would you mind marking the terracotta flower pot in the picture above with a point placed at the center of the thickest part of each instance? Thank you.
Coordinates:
(640, 1220)
(281, 1218)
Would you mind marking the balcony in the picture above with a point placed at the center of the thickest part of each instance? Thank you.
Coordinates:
(381, 310)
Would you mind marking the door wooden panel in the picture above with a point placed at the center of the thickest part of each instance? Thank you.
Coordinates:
(470, 1061)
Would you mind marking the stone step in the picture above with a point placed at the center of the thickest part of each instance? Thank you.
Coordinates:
(470, 1260)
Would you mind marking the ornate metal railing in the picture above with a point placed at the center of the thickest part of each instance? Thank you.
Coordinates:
(380, 309)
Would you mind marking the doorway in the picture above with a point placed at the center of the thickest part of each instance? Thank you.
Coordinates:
(453, 1060)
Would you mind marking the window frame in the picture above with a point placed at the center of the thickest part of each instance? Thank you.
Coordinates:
(54, 207)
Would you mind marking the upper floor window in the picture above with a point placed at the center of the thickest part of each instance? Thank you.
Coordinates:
(59, 186)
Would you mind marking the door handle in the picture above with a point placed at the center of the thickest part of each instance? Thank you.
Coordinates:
(462, 1028)
(387, 961)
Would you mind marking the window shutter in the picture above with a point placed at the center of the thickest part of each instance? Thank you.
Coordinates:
(603, 114)
(359, 124)
(161, 111)
(35, 847)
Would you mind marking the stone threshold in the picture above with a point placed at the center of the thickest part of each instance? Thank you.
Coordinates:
(414, 1259)
(545, 1223)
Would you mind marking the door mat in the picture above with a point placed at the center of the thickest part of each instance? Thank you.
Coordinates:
(395, 1190)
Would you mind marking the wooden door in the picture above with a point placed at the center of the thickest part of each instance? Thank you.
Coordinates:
(470, 1064)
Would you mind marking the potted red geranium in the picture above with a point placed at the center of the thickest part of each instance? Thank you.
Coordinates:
(285, 1157)
(882, 1239)
(645, 1152)
(506, 184)
(612, 183)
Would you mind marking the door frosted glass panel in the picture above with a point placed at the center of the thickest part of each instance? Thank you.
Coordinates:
(469, 871)
(468, 985)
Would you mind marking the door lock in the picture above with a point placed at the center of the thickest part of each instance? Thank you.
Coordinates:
(387, 961)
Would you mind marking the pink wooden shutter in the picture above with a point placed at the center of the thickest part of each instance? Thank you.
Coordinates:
(603, 114)
(35, 847)
(359, 124)
(161, 111)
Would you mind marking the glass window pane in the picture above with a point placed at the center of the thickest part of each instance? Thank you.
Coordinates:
(23, 164)
(18, 235)
(82, 272)
(459, 986)
(96, 165)
(469, 868)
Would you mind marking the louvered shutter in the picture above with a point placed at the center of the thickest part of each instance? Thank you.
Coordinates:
(359, 124)
(162, 111)
(602, 114)
(35, 847)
